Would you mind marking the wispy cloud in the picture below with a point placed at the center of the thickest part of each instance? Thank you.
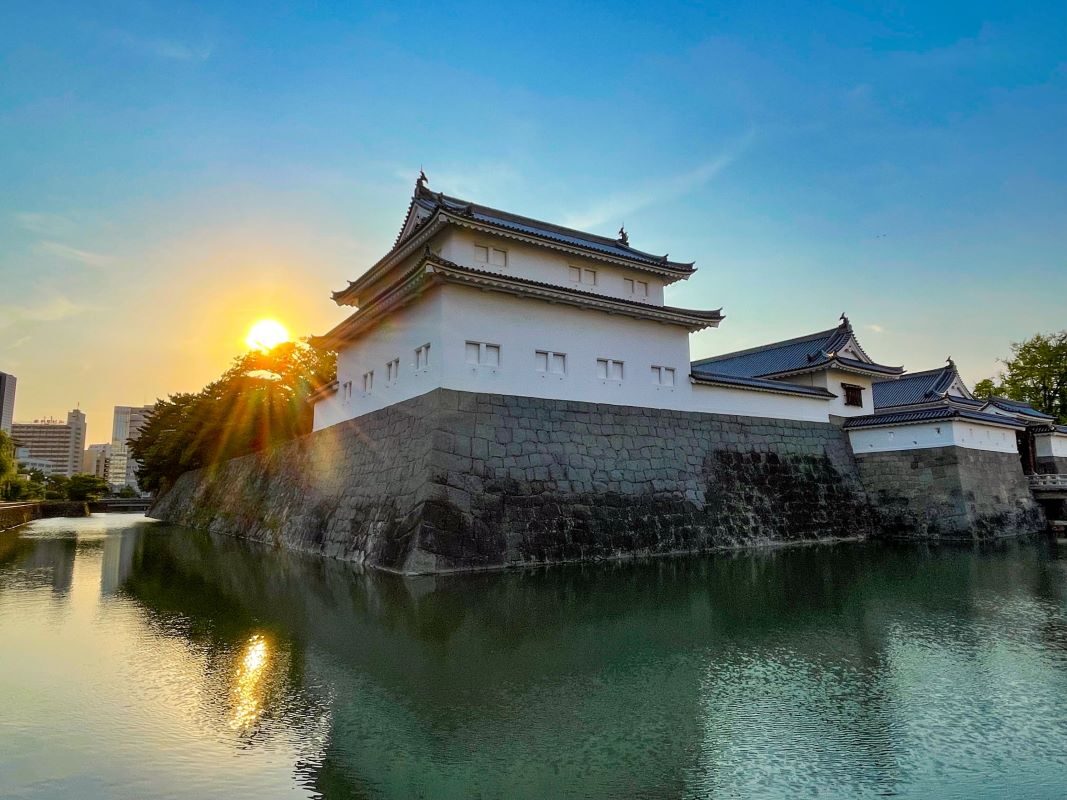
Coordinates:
(51, 309)
(44, 224)
(875, 328)
(69, 253)
(19, 342)
(615, 207)
(170, 49)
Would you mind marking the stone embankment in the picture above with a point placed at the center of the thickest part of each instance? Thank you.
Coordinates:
(14, 514)
(458, 481)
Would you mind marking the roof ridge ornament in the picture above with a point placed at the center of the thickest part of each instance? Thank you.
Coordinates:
(624, 238)
(845, 321)
(422, 180)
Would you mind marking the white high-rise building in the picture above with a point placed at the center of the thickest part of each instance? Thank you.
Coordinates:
(122, 468)
(7, 401)
(60, 443)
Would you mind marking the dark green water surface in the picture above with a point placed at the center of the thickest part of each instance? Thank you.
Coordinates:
(139, 660)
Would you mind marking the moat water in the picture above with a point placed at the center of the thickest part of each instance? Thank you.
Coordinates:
(139, 660)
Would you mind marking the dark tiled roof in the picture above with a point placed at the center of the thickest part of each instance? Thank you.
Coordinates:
(761, 384)
(928, 414)
(918, 387)
(792, 355)
(1019, 407)
(432, 201)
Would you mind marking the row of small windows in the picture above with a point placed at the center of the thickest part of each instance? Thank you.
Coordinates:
(496, 257)
(392, 373)
(486, 354)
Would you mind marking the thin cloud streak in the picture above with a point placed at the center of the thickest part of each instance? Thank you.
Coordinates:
(44, 224)
(51, 310)
(74, 254)
(167, 49)
(617, 206)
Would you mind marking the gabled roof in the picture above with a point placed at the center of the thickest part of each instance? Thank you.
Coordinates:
(429, 211)
(1020, 408)
(431, 202)
(432, 269)
(927, 415)
(803, 354)
(922, 387)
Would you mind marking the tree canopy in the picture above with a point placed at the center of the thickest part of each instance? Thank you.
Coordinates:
(1036, 373)
(260, 401)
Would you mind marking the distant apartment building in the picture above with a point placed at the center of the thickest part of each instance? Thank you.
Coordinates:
(30, 464)
(7, 401)
(122, 468)
(97, 460)
(60, 443)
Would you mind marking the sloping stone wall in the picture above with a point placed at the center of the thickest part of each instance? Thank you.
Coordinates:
(457, 481)
(949, 493)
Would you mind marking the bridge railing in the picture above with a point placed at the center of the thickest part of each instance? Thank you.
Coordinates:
(1047, 482)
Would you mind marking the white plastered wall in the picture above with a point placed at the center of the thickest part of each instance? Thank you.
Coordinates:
(396, 337)
(938, 433)
(831, 380)
(1050, 445)
(449, 316)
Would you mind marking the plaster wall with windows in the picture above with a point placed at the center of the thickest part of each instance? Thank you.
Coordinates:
(836, 382)
(398, 359)
(540, 263)
(489, 342)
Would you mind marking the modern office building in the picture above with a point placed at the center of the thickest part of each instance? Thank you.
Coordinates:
(122, 468)
(97, 460)
(7, 401)
(60, 443)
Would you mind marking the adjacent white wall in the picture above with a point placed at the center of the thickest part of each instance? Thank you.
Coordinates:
(946, 433)
(1050, 445)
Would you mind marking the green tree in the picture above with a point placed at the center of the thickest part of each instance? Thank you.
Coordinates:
(1036, 373)
(260, 401)
(85, 486)
(127, 492)
(55, 487)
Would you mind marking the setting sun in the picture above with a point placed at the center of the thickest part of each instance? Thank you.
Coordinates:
(266, 334)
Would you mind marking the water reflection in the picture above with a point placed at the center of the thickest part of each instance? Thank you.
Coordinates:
(831, 671)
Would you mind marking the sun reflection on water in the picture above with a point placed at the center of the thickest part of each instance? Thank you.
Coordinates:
(250, 684)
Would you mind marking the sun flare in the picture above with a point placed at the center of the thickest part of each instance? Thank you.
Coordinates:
(266, 334)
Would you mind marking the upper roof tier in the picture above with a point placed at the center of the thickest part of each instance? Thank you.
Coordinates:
(429, 212)
(837, 347)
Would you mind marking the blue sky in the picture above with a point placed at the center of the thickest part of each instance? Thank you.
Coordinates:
(173, 171)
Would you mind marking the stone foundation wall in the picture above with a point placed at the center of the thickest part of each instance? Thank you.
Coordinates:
(949, 493)
(458, 481)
